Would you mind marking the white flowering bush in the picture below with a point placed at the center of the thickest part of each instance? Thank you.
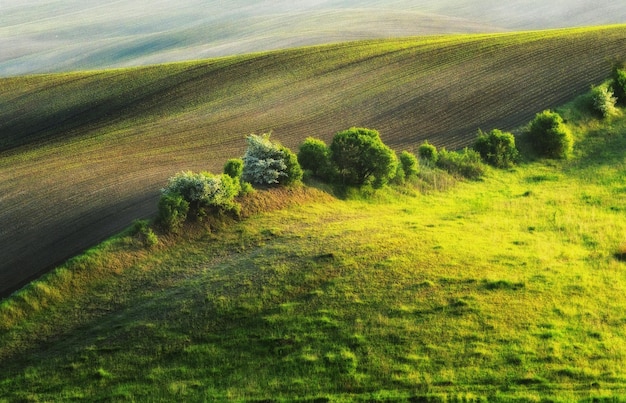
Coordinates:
(266, 163)
(603, 101)
(204, 190)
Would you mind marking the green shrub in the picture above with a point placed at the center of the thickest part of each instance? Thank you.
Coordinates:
(173, 209)
(266, 163)
(497, 148)
(409, 164)
(428, 153)
(292, 167)
(619, 83)
(234, 168)
(466, 163)
(399, 178)
(205, 191)
(141, 229)
(549, 137)
(314, 156)
(150, 239)
(407, 169)
(360, 157)
(603, 101)
(246, 188)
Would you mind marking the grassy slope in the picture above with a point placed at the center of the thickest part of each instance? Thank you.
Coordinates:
(505, 288)
(89, 151)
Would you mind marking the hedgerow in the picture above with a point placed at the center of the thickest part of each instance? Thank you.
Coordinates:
(466, 163)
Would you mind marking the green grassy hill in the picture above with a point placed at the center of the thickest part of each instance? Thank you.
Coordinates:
(85, 153)
(507, 289)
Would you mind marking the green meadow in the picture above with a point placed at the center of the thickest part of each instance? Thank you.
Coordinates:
(510, 288)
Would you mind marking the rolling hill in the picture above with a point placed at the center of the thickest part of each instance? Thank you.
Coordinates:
(63, 35)
(85, 153)
(511, 288)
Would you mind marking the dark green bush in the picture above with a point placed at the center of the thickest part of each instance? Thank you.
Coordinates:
(407, 169)
(141, 229)
(234, 168)
(314, 156)
(292, 167)
(173, 209)
(399, 178)
(619, 83)
(428, 153)
(497, 148)
(549, 137)
(466, 163)
(409, 164)
(361, 157)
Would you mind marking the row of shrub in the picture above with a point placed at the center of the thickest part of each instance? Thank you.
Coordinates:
(196, 195)
(358, 157)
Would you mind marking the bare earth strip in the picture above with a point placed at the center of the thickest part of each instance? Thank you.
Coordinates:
(86, 153)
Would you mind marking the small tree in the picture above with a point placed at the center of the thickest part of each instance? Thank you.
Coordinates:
(314, 155)
(266, 163)
(428, 153)
(603, 101)
(234, 168)
(293, 170)
(549, 137)
(409, 164)
(497, 148)
(619, 82)
(360, 157)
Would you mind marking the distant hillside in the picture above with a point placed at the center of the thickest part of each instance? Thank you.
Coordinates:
(85, 153)
(66, 35)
